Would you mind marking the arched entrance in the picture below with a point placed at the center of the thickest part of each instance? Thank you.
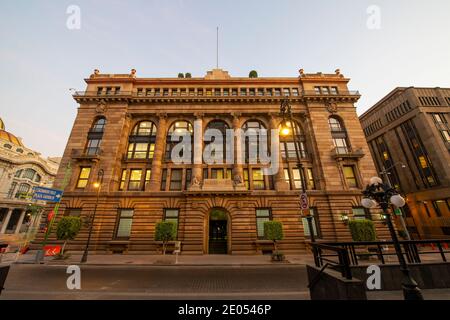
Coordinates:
(218, 232)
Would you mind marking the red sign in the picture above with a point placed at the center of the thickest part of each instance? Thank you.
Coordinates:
(52, 250)
(50, 215)
(304, 201)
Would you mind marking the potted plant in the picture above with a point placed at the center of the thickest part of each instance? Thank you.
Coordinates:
(253, 74)
(165, 231)
(362, 230)
(67, 229)
(273, 230)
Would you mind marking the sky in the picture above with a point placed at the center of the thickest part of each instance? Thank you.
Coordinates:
(379, 44)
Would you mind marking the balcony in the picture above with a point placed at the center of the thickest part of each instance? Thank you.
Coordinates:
(86, 154)
(339, 153)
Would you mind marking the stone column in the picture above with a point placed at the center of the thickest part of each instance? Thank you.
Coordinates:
(19, 223)
(238, 172)
(280, 181)
(197, 173)
(7, 218)
(160, 146)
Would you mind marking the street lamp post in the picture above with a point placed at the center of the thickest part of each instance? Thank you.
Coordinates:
(98, 186)
(286, 111)
(385, 173)
(382, 194)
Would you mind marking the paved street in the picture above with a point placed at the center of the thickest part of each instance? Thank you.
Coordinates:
(155, 282)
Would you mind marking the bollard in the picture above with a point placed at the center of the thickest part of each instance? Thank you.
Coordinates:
(3, 274)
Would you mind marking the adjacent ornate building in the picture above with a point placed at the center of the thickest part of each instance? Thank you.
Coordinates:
(20, 170)
(123, 128)
(408, 133)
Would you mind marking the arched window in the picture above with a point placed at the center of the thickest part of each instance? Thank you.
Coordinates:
(23, 190)
(141, 143)
(287, 145)
(252, 130)
(29, 174)
(182, 128)
(37, 178)
(11, 190)
(95, 137)
(221, 126)
(7, 146)
(18, 173)
(339, 135)
(19, 150)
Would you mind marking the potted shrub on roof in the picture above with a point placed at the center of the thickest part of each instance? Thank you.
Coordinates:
(253, 74)
(165, 231)
(273, 230)
(67, 229)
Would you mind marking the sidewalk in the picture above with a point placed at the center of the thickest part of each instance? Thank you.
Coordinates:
(166, 260)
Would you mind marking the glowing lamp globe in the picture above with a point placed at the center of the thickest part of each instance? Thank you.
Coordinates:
(368, 203)
(398, 201)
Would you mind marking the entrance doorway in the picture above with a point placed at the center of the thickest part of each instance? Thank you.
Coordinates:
(218, 232)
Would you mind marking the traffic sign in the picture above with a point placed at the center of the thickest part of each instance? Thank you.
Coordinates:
(398, 212)
(52, 250)
(47, 194)
(304, 201)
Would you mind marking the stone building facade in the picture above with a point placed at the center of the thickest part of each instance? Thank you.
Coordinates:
(408, 133)
(21, 169)
(123, 127)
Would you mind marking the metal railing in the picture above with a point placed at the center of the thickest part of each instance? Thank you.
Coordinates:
(413, 250)
(342, 264)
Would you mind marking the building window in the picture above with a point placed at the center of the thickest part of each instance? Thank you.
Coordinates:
(317, 90)
(442, 126)
(339, 135)
(334, 90)
(11, 190)
(360, 213)
(135, 179)
(123, 178)
(246, 179)
(218, 151)
(287, 176)
(350, 177)
(124, 224)
(163, 180)
(269, 92)
(72, 212)
(22, 191)
(297, 180)
(18, 173)
(325, 90)
(95, 137)
(385, 158)
(173, 216)
(258, 179)
(188, 178)
(226, 92)
(176, 179)
(253, 129)
(262, 215)
(441, 208)
(29, 174)
(179, 130)
(83, 177)
(277, 92)
(295, 92)
(217, 173)
(288, 146)
(286, 92)
(142, 141)
(205, 173)
(314, 222)
(148, 174)
(310, 179)
(234, 92)
(260, 92)
(243, 91)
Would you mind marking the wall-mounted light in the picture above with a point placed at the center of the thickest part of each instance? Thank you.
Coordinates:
(345, 218)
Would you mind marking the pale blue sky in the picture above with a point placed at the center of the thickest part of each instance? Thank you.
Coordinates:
(40, 59)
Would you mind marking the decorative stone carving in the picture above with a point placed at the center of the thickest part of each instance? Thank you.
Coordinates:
(302, 72)
(133, 73)
(332, 107)
(101, 107)
(196, 181)
(238, 179)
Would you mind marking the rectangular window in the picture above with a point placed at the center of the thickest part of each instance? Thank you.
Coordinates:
(72, 212)
(188, 178)
(229, 174)
(174, 92)
(441, 207)
(157, 92)
(312, 212)
(258, 179)
(93, 147)
(176, 179)
(295, 92)
(251, 92)
(11, 189)
(135, 179)
(165, 92)
(123, 178)
(148, 92)
(269, 92)
(172, 215)
(317, 90)
(243, 91)
(140, 91)
(350, 177)
(124, 223)
(108, 90)
(297, 178)
(325, 90)
(217, 173)
(310, 178)
(183, 92)
(163, 180)
(246, 179)
(200, 92)
(83, 177)
(205, 173)
(191, 92)
(334, 90)
(277, 92)
(99, 90)
(217, 92)
(360, 213)
(262, 215)
(287, 177)
(226, 92)
(260, 92)
(234, 92)
(148, 174)
(286, 92)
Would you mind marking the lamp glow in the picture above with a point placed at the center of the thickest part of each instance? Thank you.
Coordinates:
(398, 201)
(96, 185)
(375, 180)
(368, 203)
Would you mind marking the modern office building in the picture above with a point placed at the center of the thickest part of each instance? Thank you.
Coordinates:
(21, 169)
(409, 135)
(124, 128)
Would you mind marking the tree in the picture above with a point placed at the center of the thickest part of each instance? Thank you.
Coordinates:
(67, 229)
(188, 75)
(273, 230)
(180, 75)
(165, 231)
(253, 74)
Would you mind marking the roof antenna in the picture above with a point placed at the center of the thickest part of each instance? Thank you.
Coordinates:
(217, 49)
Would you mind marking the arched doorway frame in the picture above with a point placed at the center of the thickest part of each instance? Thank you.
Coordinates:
(206, 229)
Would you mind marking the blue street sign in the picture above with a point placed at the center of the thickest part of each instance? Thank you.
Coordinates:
(47, 194)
